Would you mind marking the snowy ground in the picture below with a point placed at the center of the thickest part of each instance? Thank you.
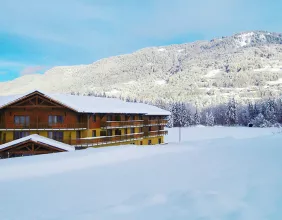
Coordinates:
(207, 133)
(215, 174)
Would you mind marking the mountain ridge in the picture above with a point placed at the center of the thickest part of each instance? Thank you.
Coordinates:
(247, 65)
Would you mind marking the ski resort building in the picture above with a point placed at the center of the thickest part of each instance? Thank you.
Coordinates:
(39, 123)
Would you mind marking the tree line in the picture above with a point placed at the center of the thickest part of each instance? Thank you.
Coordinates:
(259, 113)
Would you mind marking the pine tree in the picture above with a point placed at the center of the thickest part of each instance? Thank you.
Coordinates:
(270, 111)
(197, 118)
(244, 117)
(256, 110)
(176, 114)
(209, 119)
(231, 113)
(251, 111)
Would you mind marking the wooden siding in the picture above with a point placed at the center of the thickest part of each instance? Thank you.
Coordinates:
(38, 115)
(123, 128)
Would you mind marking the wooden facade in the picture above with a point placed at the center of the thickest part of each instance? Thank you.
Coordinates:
(35, 113)
(28, 148)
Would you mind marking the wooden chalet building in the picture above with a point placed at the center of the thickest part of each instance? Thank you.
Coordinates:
(75, 121)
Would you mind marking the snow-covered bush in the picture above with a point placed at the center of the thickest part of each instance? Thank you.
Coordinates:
(260, 121)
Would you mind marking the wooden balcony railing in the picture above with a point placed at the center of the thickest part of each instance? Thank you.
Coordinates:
(104, 140)
(155, 122)
(33, 126)
(122, 124)
(84, 142)
(155, 133)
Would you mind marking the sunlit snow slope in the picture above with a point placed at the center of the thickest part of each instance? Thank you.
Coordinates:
(208, 177)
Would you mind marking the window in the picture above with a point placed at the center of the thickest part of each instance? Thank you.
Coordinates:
(141, 142)
(117, 132)
(160, 140)
(132, 130)
(78, 134)
(20, 134)
(130, 118)
(55, 119)
(149, 142)
(110, 132)
(160, 128)
(125, 131)
(94, 118)
(56, 135)
(109, 118)
(140, 130)
(94, 133)
(117, 118)
(103, 133)
(21, 120)
(140, 117)
(150, 128)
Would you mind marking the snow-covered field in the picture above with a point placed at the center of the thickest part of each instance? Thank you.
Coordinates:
(214, 174)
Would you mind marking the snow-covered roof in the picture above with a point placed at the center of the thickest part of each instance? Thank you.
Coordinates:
(90, 104)
(39, 139)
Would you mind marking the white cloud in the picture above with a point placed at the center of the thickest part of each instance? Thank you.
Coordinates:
(84, 24)
(89, 30)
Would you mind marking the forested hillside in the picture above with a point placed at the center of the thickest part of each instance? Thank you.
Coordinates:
(245, 66)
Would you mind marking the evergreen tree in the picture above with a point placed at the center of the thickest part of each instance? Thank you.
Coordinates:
(197, 118)
(270, 111)
(209, 119)
(251, 111)
(231, 113)
(243, 115)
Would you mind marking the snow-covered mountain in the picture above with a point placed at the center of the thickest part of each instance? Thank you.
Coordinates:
(246, 65)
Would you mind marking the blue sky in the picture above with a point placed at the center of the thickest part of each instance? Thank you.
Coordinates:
(36, 35)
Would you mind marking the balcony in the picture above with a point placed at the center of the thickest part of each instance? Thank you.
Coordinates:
(122, 124)
(156, 122)
(43, 126)
(105, 140)
(155, 133)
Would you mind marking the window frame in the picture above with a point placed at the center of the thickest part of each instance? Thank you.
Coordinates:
(54, 119)
(22, 120)
(56, 135)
